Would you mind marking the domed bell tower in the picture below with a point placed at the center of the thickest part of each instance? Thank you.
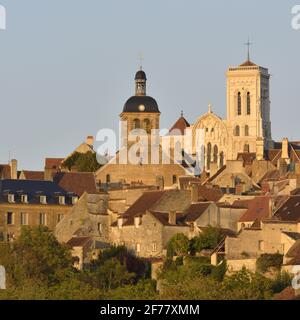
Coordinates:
(140, 111)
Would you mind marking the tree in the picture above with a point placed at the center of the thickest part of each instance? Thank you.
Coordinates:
(208, 239)
(267, 261)
(83, 162)
(178, 245)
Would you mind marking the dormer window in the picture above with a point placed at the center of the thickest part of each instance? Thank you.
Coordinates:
(24, 198)
(43, 199)
(11, 198)
(62, 200)
(74, 200)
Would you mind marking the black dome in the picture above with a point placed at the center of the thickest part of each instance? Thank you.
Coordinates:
(140, 75)
(133, 104)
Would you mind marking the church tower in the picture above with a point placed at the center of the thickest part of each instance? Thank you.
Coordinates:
(141, 111)
(248, 108)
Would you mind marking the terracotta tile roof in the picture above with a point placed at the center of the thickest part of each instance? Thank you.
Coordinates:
(246, 157)
(248, 63)
(258, 209)
(53, 163)
(242, 203)
(196, 210)
(273, 155)
(213, 177)
(209, 193)
(289, 210)
(76, 182)
(292, 235)
(181, 124)
(5, 172)
(184, 181)
(33, 175)
(286, 294)
(79, 241)
(163, 218)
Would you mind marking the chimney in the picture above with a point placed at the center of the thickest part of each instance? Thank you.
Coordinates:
(172, 218)
(90, 140)
(14, 169)
(285, 148)
(260, 149)
(271, 207)
(120, 222)
(194, 193)
(160, 182)
(137, 221)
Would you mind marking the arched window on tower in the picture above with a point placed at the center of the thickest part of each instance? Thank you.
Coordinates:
(208, 156)
(221, 159)
(215, 154)
(246, 130)
(239, 104)
(248, 104)
(237, 131)
(136, 124)
(147, 126)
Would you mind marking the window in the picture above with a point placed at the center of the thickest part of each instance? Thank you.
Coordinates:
(11, 198)
(216, 154)
(62, 200)
(24, 198)
(74, 200)
(246, 130)
(24, 219)
(222, 159)
(100, 227)
(60, 216)
(208, 156)
(237, 131)
(43, 219)
(43, 199)
(154, 246)
(248, 104)
(136, 124)
(107, 178)
(239, 104)
(174, 179)
(10, 218)
(261, 245)
(246, 148)
(138, 247)
(147, 126)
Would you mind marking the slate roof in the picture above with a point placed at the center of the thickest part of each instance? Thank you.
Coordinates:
(289, 210)
(76, 182)
(133, 103)
(33, 189)
(294, 253)
(209, 193)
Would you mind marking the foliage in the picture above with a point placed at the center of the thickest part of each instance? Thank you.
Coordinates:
(178, 245)
(83, 162)
(218, 273)
(266, 261)
(145, 289)
(208, 239)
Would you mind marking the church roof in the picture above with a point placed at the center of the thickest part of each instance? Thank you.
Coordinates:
(248, 63)
(140, 75)
(133, 104)
(181, 124)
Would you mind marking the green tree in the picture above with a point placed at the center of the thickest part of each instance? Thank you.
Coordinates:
(178, 245)
(83, 162)
(208, 239)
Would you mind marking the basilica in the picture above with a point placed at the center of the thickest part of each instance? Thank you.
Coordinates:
(246, 129)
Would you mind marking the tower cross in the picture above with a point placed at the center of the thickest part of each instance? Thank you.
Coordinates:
(248, 44)
(141, 59)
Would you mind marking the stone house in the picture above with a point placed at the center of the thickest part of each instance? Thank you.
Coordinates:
(31, 203)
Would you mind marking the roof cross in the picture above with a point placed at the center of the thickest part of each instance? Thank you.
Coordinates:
(248, 44)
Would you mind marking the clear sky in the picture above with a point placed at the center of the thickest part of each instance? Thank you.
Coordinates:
(67, 66)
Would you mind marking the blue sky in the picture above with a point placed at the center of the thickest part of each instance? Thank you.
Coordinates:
(67, 66)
